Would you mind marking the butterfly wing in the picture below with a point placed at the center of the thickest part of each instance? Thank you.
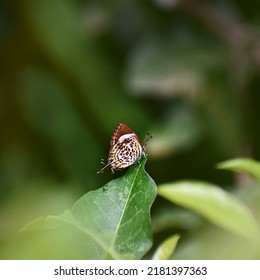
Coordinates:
(120, 130)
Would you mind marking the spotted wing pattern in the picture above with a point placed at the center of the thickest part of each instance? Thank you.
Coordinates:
(125, 148)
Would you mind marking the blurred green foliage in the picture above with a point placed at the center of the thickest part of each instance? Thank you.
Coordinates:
(71, 70)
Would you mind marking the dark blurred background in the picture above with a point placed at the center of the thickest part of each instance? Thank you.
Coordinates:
(188, 71)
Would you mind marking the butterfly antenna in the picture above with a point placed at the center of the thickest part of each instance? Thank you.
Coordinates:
(104, 168)
(147, 138)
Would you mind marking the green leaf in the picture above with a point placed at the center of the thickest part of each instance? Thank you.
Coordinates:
(244, 165)
(114, 219)
(166, 248)
(213, 203)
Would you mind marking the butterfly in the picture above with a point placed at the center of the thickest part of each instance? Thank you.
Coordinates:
(125, 148)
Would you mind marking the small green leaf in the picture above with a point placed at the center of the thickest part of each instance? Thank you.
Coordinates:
(166, 248)
(244, 165)
(213, 203)
(114, 219)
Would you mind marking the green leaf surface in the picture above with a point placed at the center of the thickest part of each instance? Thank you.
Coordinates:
(215, 204)
(166, 248)
(114, 219)
(244, 165)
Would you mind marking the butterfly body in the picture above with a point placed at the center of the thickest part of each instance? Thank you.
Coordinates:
(125, 148)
